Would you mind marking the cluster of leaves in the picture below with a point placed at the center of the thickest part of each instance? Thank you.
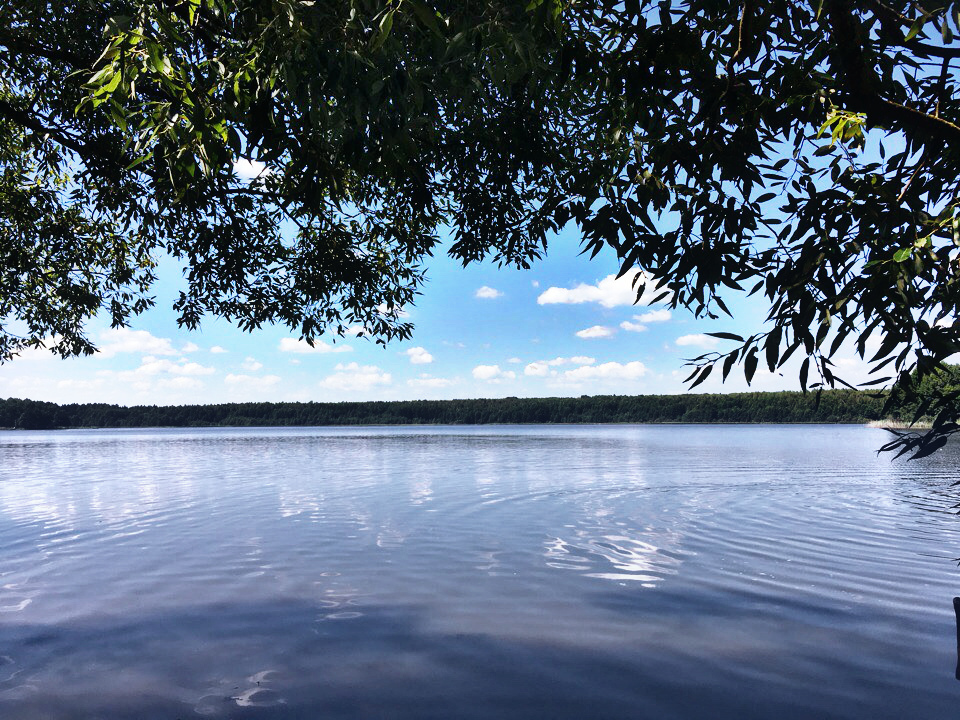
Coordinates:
(809, 153)
(915, 400)
(67, 246)
(370, 123)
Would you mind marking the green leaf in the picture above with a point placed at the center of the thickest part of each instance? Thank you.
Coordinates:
(110, 86)
(726, 336)
(877, 381)
(903, 254)
(156, 58)
(116, 25)
(915, 28)
(728, 363)
(383, 32)
(750, 365)
(100, 75)
(427, 16)
(141, 159)
(772, 348)
(704, 374)
(928, 448)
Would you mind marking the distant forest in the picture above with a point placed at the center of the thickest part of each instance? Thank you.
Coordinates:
(835, 406)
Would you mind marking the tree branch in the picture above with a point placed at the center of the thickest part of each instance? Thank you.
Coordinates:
(743, 29)
(889, 14)
(936, 127)
(922, 49)
(860, 81)
(24, 47)
(25, 119)
(891, 21)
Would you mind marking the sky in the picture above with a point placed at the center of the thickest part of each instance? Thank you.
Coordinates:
(565, 327)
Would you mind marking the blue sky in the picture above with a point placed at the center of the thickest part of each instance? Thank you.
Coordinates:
(563, 328)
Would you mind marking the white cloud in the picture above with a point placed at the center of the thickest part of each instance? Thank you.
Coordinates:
(156, 374)
(352, 376)
(597, 331)
(515, 360)
(492, 373)
(125, 340)
(609, 292)
(699, 340)
(78, 384)
(607, 371)
(250, 169)
(485, 372)
(487, 293)
(189, 347)
(217, 350)
(251, 364)
(535, 283)
(429, 382)
(162, 366)
(541, 368)
(419, 356)
(302, 347)
(181, 383)
(249, 381)
(537, 369)
(654, 316)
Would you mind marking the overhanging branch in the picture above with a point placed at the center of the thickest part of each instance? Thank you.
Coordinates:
(878, 108)
(20, 46)
(891, 21)
(25, 119)
(860, 81)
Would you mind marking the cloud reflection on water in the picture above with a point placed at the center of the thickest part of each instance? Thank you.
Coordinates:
(614, 557)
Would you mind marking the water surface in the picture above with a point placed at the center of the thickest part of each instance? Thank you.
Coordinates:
(476, 572)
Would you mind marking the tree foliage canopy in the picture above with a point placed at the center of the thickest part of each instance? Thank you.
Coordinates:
(808, 152)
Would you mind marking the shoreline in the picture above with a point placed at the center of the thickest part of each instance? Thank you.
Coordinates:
(900, 425)
(875, 424)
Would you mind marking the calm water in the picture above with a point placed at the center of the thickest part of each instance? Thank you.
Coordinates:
(461, 572)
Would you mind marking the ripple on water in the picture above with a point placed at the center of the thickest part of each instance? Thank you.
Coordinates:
(258, 694)
(639, 566)
(8, 669)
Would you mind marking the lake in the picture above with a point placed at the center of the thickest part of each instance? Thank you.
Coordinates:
(517, 572)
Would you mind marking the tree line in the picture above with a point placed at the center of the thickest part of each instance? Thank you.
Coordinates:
(834, 406)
